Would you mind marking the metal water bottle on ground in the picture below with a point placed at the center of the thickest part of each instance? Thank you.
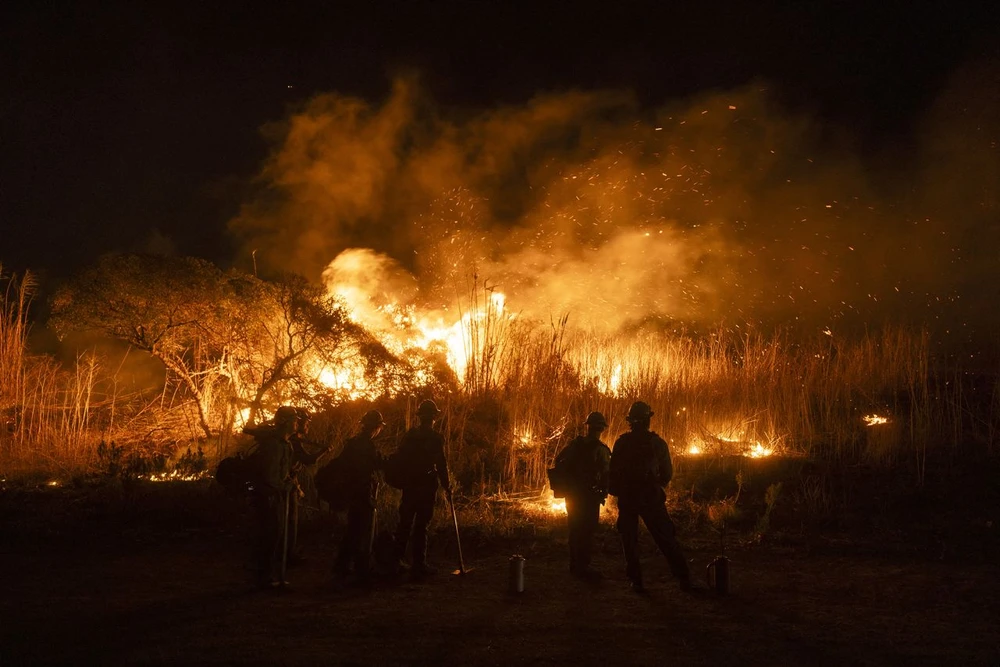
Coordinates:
(717, 574)
(516, 574)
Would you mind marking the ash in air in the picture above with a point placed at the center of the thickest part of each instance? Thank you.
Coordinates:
(721, 210)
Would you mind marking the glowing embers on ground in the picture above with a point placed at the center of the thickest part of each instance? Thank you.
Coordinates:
(875, 420)
(175, 476)
(729, 442)
(534, 502)
(544, 502)
(752, 450)
(758, 450)
(172, 476)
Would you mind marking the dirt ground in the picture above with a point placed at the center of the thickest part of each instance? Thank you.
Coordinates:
(94, 577)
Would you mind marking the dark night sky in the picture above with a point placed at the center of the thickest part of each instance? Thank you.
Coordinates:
(118, 120)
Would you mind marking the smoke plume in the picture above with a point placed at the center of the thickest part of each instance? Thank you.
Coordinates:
(718, 210)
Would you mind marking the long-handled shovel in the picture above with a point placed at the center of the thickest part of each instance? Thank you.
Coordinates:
(458, 539)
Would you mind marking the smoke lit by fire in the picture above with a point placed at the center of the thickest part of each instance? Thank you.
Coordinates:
(722, 209)
(585, 216)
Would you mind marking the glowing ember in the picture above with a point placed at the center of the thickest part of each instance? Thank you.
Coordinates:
(759, 451)
(875, 420)
(54, 482)
(523, 438)
(694, 449)
(535, 501)
(174, 476)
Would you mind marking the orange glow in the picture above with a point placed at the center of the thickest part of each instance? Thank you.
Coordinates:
(523, 439)
(741, 440)
(364, 281)
(759, 451)
(174, 476)
(611, 385)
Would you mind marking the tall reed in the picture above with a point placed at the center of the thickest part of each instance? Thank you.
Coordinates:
(724, 394)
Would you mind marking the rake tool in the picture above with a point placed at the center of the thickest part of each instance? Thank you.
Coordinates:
(458, 539)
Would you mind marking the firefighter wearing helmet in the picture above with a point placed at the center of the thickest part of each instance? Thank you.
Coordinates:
(271, 466)
(361, 462)
(640, 469)
(580, 474)
(305, 453)
(417, 468)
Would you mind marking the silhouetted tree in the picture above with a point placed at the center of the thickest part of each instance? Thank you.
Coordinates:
(171, 307)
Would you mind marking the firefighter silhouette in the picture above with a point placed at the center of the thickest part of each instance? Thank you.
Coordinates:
(640, 469)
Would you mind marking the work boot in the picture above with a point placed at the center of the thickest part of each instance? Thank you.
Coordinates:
(637, 587)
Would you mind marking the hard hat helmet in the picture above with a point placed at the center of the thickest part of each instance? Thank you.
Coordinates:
(285, 414)
(639, 411)
(596, 419)
(302, 415)
(372, 418)
(428, 408)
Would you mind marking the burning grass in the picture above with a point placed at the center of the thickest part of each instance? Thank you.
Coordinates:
(514, 391)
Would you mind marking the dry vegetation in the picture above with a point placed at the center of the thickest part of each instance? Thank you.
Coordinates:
(163, 559)
(526, 388)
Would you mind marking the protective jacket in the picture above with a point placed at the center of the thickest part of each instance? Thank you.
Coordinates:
(587, 462)
(420, 460)
(361, 462)
(640, 467)
(272, 461)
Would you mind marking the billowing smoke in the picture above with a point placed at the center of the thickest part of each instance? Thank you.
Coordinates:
(722, 209)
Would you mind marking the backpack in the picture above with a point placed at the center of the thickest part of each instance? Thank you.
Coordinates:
(238, 473)
(563, 476)
(331, 483)
(560, 481)
(397, 470)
